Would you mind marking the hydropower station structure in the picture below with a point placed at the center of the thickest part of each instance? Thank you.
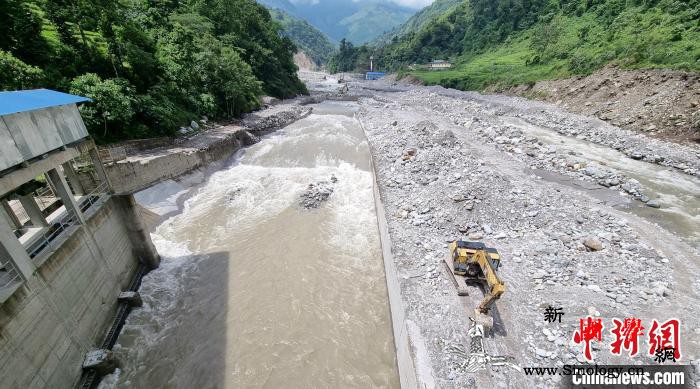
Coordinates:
(71, 251)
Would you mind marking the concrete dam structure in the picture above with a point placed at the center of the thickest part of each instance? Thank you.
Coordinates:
(67, 251)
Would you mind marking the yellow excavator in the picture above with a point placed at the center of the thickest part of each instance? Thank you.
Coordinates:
(477, 263)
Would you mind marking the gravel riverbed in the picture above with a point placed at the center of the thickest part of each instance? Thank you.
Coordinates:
(448, 167)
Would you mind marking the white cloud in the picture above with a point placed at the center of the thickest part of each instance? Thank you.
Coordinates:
(413, 3)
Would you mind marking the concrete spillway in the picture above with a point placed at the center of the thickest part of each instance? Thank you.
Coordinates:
(254, 289)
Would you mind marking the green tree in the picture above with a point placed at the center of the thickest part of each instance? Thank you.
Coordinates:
(15, 74)
(112, 102)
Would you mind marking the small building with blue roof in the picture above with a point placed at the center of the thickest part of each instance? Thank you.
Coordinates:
(35, 122)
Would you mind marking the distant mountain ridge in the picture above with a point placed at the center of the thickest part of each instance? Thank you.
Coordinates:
(499, 43)
(418, 20)
(308, 39)
(359, 21)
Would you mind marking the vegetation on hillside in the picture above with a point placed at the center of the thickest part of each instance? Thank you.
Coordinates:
(417, 21)
(373, 19)
(149, 66)
(506, 42)
(305, 36)
(349, 58)
(358, 21)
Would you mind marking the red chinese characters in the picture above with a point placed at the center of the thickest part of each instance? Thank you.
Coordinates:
(591, 329)
(665, 336)
(627, 335)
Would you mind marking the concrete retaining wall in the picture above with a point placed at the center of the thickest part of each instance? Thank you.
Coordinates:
(130, 176)
(63, 310)
(402, 343)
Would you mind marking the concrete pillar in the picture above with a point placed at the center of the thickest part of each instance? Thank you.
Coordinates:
(9, 214)
(49, 183)
(73, 179)
(138, 233)
(99, 169)
(63, 191)
(12, 249)
(36, 217)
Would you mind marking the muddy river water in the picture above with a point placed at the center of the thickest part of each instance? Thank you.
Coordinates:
(678, 193)
(255, 291)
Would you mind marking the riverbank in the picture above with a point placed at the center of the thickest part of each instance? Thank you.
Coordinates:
(659, 103)
(144, 167)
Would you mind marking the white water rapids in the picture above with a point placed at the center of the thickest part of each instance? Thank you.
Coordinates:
(255, 291)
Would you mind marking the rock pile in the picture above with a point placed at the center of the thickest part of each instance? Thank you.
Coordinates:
(285, 115)
(317, 193)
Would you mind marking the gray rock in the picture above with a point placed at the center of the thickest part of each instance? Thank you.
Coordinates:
(593, 244)
(636, 154)
(476, 236)
(653, 204)
(316, 194)
(458, 198)
(101, 361)
(595, 288)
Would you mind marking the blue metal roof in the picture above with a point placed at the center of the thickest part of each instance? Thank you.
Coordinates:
(30, 100)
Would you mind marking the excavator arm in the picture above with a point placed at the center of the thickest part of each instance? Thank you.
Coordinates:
(494, 286)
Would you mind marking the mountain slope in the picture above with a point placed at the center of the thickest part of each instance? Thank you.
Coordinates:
(359, 21)
(418, 20)
(506, 42)
(364, 25)
(306, 37)
(149, 67)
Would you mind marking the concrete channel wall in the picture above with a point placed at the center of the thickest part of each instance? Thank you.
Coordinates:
(402, 342)
(133, 175)
(63, 310)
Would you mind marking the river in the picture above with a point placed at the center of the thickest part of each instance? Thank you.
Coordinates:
(254, 290)
(677, 192)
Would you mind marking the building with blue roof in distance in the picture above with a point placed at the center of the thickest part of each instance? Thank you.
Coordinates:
(374, 75)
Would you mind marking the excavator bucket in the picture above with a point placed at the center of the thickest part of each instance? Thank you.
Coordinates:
(484, 320)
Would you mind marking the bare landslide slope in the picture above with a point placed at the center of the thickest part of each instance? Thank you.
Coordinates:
(440, 180)
(660, 103)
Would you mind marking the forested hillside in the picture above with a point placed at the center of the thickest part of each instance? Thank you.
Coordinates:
(505, 42)
(417, 21)
(306, 37)
(149, 66)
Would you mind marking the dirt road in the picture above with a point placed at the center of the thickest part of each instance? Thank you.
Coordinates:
(449, 166)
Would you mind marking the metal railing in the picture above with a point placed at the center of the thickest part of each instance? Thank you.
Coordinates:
(93, 197)
(44, 197)
(51, 233)
(8, 273)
